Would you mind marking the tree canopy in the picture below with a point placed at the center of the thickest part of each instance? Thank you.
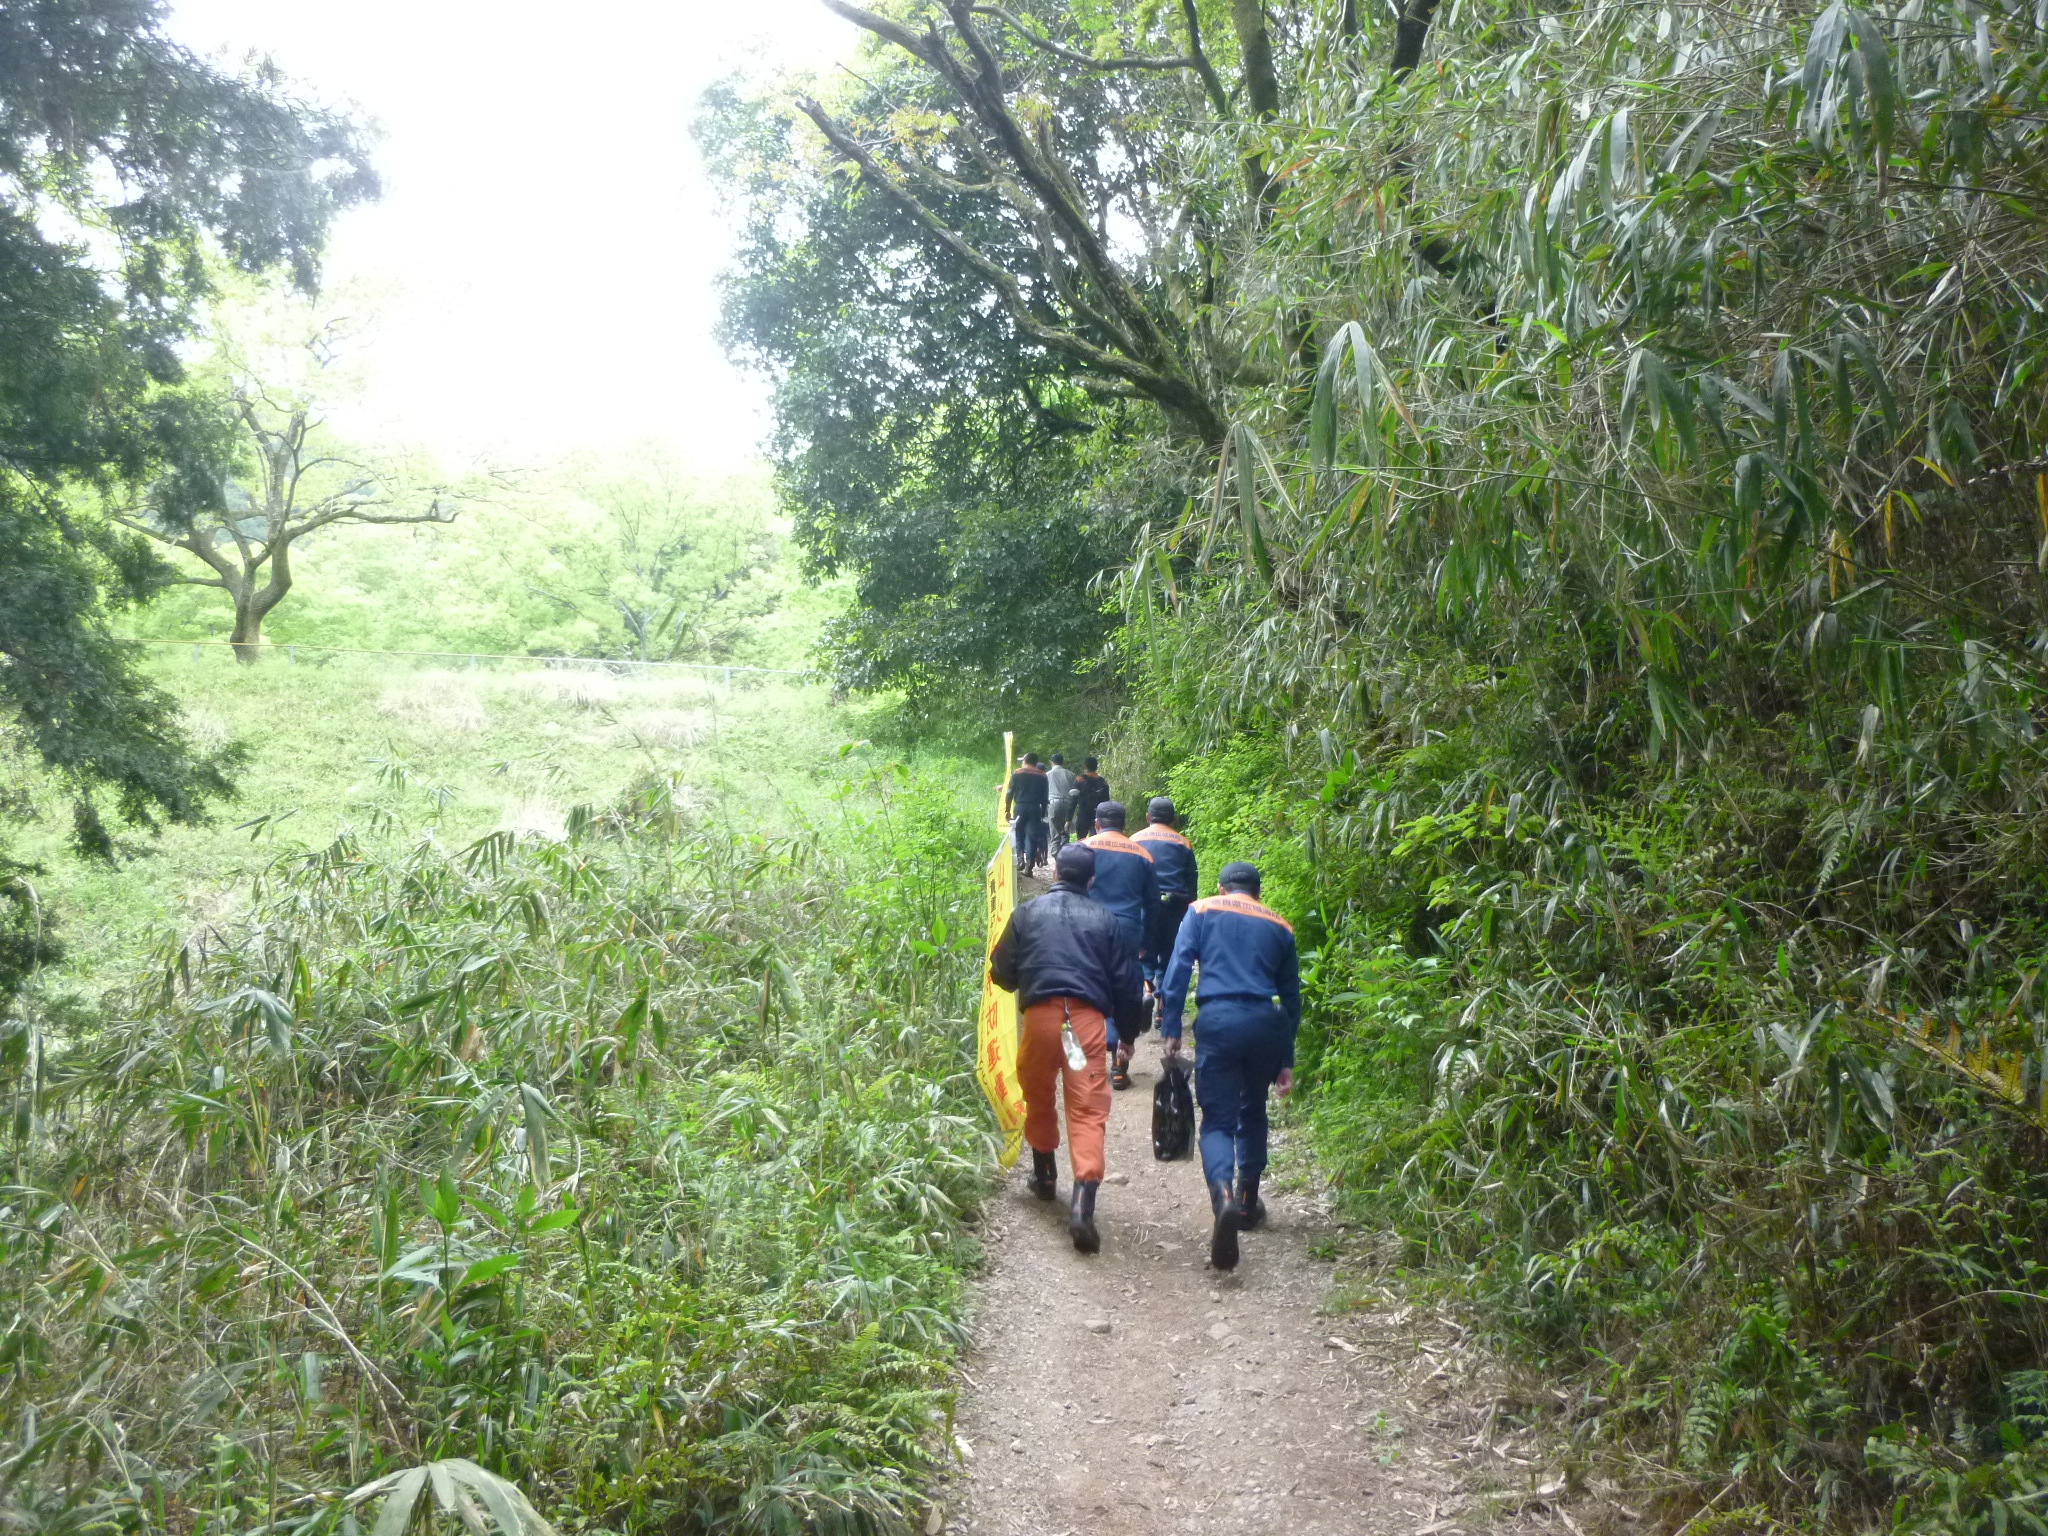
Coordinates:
(126, 164)
(962, 302)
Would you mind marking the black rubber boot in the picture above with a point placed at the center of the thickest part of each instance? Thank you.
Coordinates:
(1045, 1174)
(1223, 1241)
(1081, 1217)
(1251, 1210)
(1120, 1071)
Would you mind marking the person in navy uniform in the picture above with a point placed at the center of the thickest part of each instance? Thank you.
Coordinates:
(1124, 884)
(1248, 1011)
(1026, 800)
(1179, 882)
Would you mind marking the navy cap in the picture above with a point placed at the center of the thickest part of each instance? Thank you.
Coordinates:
(1159, 809)
(1110, 814)
(1240, 873)
(1075, 864)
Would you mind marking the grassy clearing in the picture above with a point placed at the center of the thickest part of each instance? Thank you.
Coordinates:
(391, 751)
(628, 1152)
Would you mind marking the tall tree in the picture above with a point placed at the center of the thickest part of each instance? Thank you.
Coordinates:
(299, 479)
(1013, 254)
(109, 128)
(1013, 138)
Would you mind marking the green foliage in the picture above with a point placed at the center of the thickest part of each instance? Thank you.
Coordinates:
(926, 445)
(391, 752)
(627, 556)
(1634, 623)
(109, 129)
(652, 566)
(630, 1167)
(26, 942)
(72, 692)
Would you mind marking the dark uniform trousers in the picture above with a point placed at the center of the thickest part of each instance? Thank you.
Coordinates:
(1240, 1047)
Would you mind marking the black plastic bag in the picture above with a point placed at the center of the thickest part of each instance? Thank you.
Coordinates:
(1173, 1114)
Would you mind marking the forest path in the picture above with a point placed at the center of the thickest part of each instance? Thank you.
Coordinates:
(1140, 1393)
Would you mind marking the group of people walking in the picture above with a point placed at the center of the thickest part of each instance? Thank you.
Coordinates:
(1047, 806)
(1121, 935)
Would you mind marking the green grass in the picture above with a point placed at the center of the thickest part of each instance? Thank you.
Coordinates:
(393, 751)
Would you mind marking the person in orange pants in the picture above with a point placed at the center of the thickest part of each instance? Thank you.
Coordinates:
(1041, 1058)
(1069, 963)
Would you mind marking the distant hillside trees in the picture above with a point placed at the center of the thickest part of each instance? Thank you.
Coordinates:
(662, 564)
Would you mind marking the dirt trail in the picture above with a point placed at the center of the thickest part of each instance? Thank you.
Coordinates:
(1139, 1393)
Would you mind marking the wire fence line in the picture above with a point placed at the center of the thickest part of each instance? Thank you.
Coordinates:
(290, 651)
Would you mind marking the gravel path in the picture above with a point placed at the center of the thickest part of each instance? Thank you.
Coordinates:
(1139, 1393)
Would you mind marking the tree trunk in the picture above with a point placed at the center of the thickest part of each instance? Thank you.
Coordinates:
(1255, 49)
(1409, 35)
(247, 638)
(253, 603)
(1261, 95)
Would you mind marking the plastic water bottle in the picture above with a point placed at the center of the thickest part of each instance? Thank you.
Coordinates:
(1077, 1058)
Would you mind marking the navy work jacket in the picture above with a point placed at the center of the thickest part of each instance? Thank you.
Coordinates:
(1173, 860)
(1027, 791)
(1090, 790)
(1251, 975)
(1062, 944)
(1124, 883)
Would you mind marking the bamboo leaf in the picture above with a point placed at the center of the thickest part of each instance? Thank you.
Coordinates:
(396, 1514)
(508, 1504)
(514, 1518)
(1322, 414)
(1781, 399)
(1858, 347)
(536, 1112)
(1248, 500)
(443, 1484)
(1709, 386)
(1677, 404)
(1823, 47)
(1631, 393)
(1689, 150)
(1323, 408)
(1838, 375)
(486, 1270)
(1565, 193)
(1749, 484)
(1875, 55)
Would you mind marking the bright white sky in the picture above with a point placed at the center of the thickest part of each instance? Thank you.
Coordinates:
(542, 259)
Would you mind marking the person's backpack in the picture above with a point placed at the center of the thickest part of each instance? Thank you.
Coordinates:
(1173, 1114)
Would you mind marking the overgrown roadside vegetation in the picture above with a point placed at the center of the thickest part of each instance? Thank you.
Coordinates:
(633, 1165)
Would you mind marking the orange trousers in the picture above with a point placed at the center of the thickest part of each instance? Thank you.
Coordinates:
(1041, 1061)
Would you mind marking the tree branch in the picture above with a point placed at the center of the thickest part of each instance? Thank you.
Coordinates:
(1211, 81)
(984, 92)
(910, 42)
(355, 513)
(1176, 396)
(1074, 55)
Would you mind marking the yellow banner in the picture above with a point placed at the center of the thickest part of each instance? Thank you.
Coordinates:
(995, 1056)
